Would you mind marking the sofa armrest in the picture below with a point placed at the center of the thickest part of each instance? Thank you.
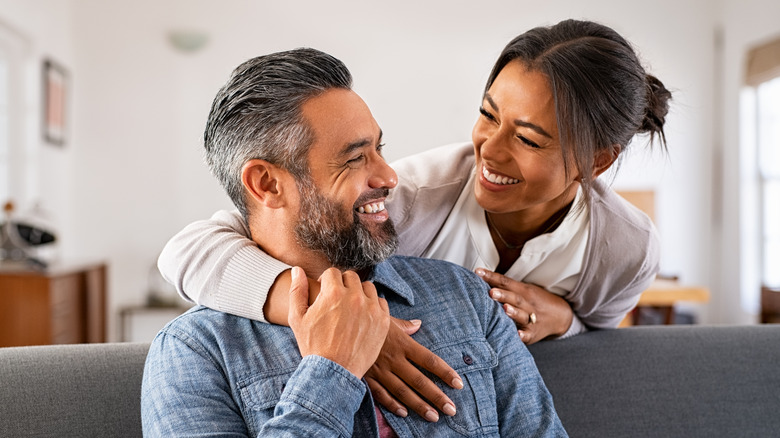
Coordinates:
(72, 390)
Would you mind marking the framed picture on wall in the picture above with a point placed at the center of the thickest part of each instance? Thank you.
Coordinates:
(55, 93)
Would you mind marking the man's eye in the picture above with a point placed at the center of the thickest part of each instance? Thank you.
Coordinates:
(355, 160)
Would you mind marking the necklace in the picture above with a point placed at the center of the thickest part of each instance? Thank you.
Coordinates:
(498, 233)
(555, 223)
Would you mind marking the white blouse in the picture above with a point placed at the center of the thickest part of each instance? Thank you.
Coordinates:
(552, 261)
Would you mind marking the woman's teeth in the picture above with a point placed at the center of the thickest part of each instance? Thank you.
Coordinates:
(497, 179)
(375, 207)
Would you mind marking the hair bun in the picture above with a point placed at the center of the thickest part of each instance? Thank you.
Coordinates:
(657, 107)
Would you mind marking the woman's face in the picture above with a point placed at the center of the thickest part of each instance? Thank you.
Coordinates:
(517, 148)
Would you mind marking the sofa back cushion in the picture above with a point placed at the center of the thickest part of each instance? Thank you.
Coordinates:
(666, 381)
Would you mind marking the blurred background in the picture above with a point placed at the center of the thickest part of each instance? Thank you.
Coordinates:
(110, 157)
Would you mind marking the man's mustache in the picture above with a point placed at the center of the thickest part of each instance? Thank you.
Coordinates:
(371, 195)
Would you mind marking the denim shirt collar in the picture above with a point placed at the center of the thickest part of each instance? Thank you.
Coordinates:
(386, 275)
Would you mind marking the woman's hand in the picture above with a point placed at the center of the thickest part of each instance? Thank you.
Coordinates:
(536, 312)
(393, 376)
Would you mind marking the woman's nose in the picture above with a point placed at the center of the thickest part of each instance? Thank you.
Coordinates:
(492, 147)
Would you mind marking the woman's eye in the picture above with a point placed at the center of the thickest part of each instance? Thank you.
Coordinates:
(486, 114)
(528, 142)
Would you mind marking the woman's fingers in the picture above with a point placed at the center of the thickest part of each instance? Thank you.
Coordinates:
(537, 312)
(510, 297)
(384, 398)
(433, 363)
(395, 391)
(493, 278)
(403, 382)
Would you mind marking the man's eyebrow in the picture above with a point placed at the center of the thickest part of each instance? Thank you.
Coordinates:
(519, 122)
(363, 142)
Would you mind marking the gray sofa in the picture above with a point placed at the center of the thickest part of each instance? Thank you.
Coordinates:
(651, 381)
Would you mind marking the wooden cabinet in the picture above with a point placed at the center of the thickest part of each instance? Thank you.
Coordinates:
(60, 305)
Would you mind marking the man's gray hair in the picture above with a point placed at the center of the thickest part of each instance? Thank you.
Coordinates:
(257, 115)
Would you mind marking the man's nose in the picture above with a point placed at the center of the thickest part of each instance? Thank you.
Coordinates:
(382, 176)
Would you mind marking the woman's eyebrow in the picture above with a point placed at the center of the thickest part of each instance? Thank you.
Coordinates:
(519, 122)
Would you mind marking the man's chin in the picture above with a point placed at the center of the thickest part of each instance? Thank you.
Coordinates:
(381, 232)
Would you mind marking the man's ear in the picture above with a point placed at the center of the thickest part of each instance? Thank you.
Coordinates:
(604, 159)
(264, 182)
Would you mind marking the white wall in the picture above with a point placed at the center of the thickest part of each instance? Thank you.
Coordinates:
(134, 157)
(45, 28)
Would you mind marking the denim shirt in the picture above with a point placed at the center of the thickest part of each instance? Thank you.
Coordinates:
(210, 373)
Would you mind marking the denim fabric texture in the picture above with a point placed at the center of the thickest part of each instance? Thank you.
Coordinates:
(214, 374)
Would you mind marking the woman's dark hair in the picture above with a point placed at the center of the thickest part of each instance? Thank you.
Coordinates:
(603, 96)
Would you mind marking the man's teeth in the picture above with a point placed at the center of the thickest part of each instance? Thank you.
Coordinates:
(375, 207)
(497, 179)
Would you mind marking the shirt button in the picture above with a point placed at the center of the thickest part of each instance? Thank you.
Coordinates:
(467, 359)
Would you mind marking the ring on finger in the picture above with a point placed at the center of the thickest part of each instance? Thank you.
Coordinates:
(531, 318)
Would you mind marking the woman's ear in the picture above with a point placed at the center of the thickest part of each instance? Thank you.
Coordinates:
(604, 159)
(264, 182)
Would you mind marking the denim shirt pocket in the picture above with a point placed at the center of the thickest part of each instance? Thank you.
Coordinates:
(260, 393)
(474, 361)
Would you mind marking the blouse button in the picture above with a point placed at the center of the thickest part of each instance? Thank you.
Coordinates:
(467, 359)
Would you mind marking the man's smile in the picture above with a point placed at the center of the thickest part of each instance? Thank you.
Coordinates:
(372, 207)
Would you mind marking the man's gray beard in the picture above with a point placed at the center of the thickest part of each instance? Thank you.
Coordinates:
(322, 227)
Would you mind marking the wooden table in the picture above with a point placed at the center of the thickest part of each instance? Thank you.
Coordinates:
(663, 295)
(63, 304)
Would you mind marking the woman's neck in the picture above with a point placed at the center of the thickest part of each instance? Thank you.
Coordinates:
(511, 231)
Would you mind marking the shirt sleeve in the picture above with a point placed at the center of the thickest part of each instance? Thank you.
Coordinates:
(185, 393)
(575, 328)
(215, 264)
(320, 399)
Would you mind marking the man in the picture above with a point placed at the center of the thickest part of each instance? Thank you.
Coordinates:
(299, 153)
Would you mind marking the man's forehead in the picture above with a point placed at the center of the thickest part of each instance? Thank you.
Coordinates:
(341, 122)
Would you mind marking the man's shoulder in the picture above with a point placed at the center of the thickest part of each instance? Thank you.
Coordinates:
(410, 264)
(199, 316)
(205, 326)
(432, 278)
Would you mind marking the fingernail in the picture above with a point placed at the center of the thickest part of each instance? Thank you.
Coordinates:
(416, 322)
(521, 334)
(509, 309)
(495, 294)
(432, 416)
(401, 412)
(449, 409)
(480, 272)
(457, 383)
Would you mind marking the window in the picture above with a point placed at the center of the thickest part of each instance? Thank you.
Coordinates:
(760, 169)
(768, 142)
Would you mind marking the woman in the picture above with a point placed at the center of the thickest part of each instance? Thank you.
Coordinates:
(560, 105)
